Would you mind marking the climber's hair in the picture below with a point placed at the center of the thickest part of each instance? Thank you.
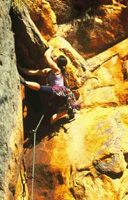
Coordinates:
(61, 62)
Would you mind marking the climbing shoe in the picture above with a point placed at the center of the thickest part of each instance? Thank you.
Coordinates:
(22, 80)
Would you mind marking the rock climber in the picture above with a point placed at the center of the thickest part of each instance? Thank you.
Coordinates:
(56, 83)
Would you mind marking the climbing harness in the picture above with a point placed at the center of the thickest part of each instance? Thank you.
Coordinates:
(34, 148)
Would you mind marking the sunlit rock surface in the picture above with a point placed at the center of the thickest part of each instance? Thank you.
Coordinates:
(43, 17)
(88, 157)
(98, 25)
(89, 26)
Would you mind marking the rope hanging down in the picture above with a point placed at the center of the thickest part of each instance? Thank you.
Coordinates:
(34, 148)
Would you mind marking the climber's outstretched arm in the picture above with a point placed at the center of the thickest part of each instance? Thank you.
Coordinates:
(37, 72)
(52, 64)
(32, 85)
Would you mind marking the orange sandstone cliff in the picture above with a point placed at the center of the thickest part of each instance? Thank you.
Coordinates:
(87, 158)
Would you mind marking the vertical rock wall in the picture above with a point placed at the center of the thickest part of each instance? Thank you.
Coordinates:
(11, 138)
(88, 158)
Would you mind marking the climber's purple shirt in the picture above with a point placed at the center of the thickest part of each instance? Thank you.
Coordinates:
(56, 79)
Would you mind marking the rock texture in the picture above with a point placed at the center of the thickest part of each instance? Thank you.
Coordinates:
(87, 158)
(89, 26)
(43, 17)
(30, 45)
(84, 159)
(98, 25)
(11, 127)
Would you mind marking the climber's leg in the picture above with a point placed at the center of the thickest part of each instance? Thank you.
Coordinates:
(32, 85)
(58, 116)
(36, 86)
(46, 89)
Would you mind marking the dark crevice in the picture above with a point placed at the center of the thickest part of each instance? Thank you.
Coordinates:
(107, 156)
(82, 5)
(112, 175)
(126, 158)
(72, 192)
(60, 179)
(12, 189)
(83, 169)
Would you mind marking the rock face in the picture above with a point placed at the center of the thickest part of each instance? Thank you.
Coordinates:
(89, 26)
(11, 128)
(44, 18)
(30, 45)
(98, 25)
(87, 158)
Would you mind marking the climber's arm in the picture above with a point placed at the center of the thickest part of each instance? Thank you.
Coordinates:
(55, 69)
(37, 72)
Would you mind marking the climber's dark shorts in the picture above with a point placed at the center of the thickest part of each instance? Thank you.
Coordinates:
(46, 89)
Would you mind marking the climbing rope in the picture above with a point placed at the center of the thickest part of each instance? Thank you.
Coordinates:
(34, 151)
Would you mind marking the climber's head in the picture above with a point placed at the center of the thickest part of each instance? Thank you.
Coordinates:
(61, 62)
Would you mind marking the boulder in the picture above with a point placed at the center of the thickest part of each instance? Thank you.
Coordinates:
(99, 26)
